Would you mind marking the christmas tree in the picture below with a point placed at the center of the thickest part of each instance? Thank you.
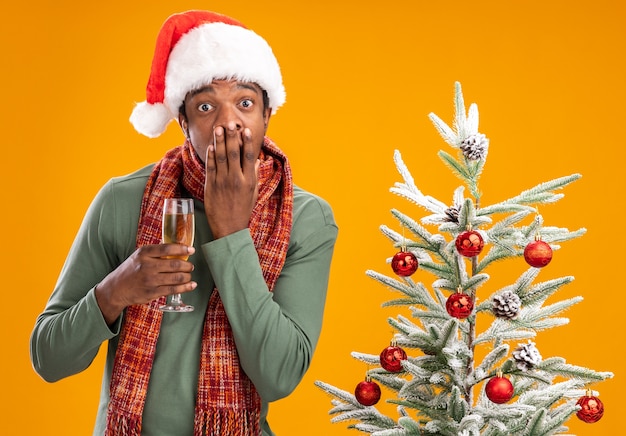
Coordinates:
(445, 385)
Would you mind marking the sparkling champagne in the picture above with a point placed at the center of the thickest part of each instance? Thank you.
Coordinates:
(178, 228)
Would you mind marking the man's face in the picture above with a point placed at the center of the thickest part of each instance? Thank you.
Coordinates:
(220, 103)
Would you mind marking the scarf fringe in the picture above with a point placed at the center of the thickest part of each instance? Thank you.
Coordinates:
(227, 423)
(118, 424)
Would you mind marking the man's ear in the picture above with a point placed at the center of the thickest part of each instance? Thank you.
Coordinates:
(182, 121)
(266, 116)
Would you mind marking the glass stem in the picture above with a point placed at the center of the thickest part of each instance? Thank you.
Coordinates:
(176, 300)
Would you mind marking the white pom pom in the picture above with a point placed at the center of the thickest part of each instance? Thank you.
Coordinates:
(150, 119)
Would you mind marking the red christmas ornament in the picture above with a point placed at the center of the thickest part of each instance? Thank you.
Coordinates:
(591, 410)
(538, 253)
(499, 389)
(391, 358)
(469, 243)
(404, 263)
(459, 305)
(367, 392)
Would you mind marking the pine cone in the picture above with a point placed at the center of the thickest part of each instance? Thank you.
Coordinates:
(526, 356)
(452, 214)
(506, 305)
(474, 147)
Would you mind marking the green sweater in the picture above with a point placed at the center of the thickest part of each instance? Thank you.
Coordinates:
(275, 333)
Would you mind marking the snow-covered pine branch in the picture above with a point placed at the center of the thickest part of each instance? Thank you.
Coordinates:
(542, 193)
(434, 242)
(409, 190)
(558, 366)
(503, 330)
(416, 294)
(487, 364)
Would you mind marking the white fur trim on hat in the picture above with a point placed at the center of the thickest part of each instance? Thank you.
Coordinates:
(221, 51)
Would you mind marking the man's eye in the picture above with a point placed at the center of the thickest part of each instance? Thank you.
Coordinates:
(247, 103)
(204, 107)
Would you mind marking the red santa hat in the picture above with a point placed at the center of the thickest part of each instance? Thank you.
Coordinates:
(193, 48)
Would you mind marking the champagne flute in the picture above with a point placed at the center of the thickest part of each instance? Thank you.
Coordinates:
(178, 228)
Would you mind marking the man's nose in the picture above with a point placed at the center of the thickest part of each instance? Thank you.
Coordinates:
(227, 115)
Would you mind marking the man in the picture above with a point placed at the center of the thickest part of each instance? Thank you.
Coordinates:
(257, 274)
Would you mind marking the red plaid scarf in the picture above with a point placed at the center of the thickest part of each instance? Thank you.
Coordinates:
(227, 402)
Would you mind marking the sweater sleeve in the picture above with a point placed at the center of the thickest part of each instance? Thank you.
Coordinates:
(68, 333)
(276, 333)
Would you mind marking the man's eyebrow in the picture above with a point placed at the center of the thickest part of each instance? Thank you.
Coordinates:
(249, 86)
(207, 88)
(241, 85)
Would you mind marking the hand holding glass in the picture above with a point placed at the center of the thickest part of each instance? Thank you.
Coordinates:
(178, 228)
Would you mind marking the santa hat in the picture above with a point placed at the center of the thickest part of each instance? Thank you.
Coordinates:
(193, 48)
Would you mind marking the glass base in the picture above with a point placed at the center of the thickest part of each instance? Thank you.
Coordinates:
(176, 308)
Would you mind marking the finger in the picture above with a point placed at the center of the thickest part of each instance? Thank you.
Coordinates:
(169, 250)
(249, 161)
(169, 265)
(256, 185)
(209, 161)
(220, 158)
(176, 288)
(233, 146)
(169, 276)
(174, 278)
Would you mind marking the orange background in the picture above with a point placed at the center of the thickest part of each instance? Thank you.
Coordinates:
(361, 78)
